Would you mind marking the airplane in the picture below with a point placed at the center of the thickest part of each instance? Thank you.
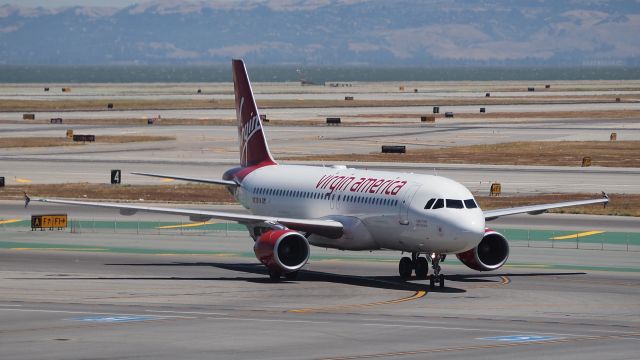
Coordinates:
(294, 206)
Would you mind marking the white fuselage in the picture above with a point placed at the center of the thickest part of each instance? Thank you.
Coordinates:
(379, 210)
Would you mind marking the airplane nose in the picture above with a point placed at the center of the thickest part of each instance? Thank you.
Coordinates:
(471, 228)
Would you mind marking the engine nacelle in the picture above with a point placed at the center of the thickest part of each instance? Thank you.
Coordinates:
(490, 254)
(282, 251)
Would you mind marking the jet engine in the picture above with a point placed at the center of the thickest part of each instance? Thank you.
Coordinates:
(490, 254)
(282, 251)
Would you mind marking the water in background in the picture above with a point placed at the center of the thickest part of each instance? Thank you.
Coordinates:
(318, 75)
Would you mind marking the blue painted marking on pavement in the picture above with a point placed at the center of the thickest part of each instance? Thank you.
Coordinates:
(115, 318)
(521, 338)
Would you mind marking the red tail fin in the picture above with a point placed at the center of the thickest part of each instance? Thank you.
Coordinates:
(253, 144)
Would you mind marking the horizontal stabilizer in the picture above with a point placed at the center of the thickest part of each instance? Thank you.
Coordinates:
(186, 178)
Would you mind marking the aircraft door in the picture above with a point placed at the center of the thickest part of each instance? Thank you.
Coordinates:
(334, 201)
(406, 202)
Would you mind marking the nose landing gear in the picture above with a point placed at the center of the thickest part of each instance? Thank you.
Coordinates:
(436, 276)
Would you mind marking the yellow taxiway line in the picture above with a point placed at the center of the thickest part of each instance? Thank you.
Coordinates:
(417, 295)
(578, 235)
(58, 249)
(10, 221)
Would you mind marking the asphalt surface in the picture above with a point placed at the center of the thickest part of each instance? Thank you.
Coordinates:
(99, 296)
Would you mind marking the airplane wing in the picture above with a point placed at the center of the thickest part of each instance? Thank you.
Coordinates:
(200, 180)
(328, 228)
(541, 208)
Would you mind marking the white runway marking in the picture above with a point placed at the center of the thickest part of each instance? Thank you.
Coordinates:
(89, 312)
(406, 324)
(186, 312)
(397, 326)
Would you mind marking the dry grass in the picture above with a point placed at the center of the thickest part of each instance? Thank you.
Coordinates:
(620, 204)
(208, 103)
(119, 139)
(551, 153)
(23, 142)
(168, 122)
(20, 142)
(183, 193)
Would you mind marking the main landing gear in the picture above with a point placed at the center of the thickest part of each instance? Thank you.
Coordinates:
(420, 265)
(416, 262)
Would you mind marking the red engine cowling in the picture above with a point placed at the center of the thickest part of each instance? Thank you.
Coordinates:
(490, 254)
(282, 251)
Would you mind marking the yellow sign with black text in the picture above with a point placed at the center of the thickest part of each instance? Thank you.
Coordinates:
(48, 221)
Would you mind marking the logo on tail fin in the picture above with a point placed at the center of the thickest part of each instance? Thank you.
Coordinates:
(248, 130)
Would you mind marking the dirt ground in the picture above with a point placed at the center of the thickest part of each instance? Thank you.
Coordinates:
(24, 142)
(549, 153)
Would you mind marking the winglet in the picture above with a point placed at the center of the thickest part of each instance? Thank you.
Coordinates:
(27, 199)
(604, 195)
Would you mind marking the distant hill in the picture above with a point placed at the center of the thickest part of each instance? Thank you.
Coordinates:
(329, 32)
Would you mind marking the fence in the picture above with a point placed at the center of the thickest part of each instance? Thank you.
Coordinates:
(592, 240)
(620, 241)
(140, 227)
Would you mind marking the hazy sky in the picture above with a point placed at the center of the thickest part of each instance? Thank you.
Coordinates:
(57, 3)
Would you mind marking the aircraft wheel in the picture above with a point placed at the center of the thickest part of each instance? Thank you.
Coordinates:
(291, 275)
(274, 275)
(441, 280)
(405, 267)
(422, 268)
(432, 281)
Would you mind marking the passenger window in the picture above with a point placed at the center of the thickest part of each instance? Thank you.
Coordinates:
(429, 203)
(439, 204)
(454, 204)
(470, 204)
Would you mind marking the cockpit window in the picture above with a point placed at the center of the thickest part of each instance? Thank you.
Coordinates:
(429, 203)
(438, 204)
(454, 204)
(470, 204)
